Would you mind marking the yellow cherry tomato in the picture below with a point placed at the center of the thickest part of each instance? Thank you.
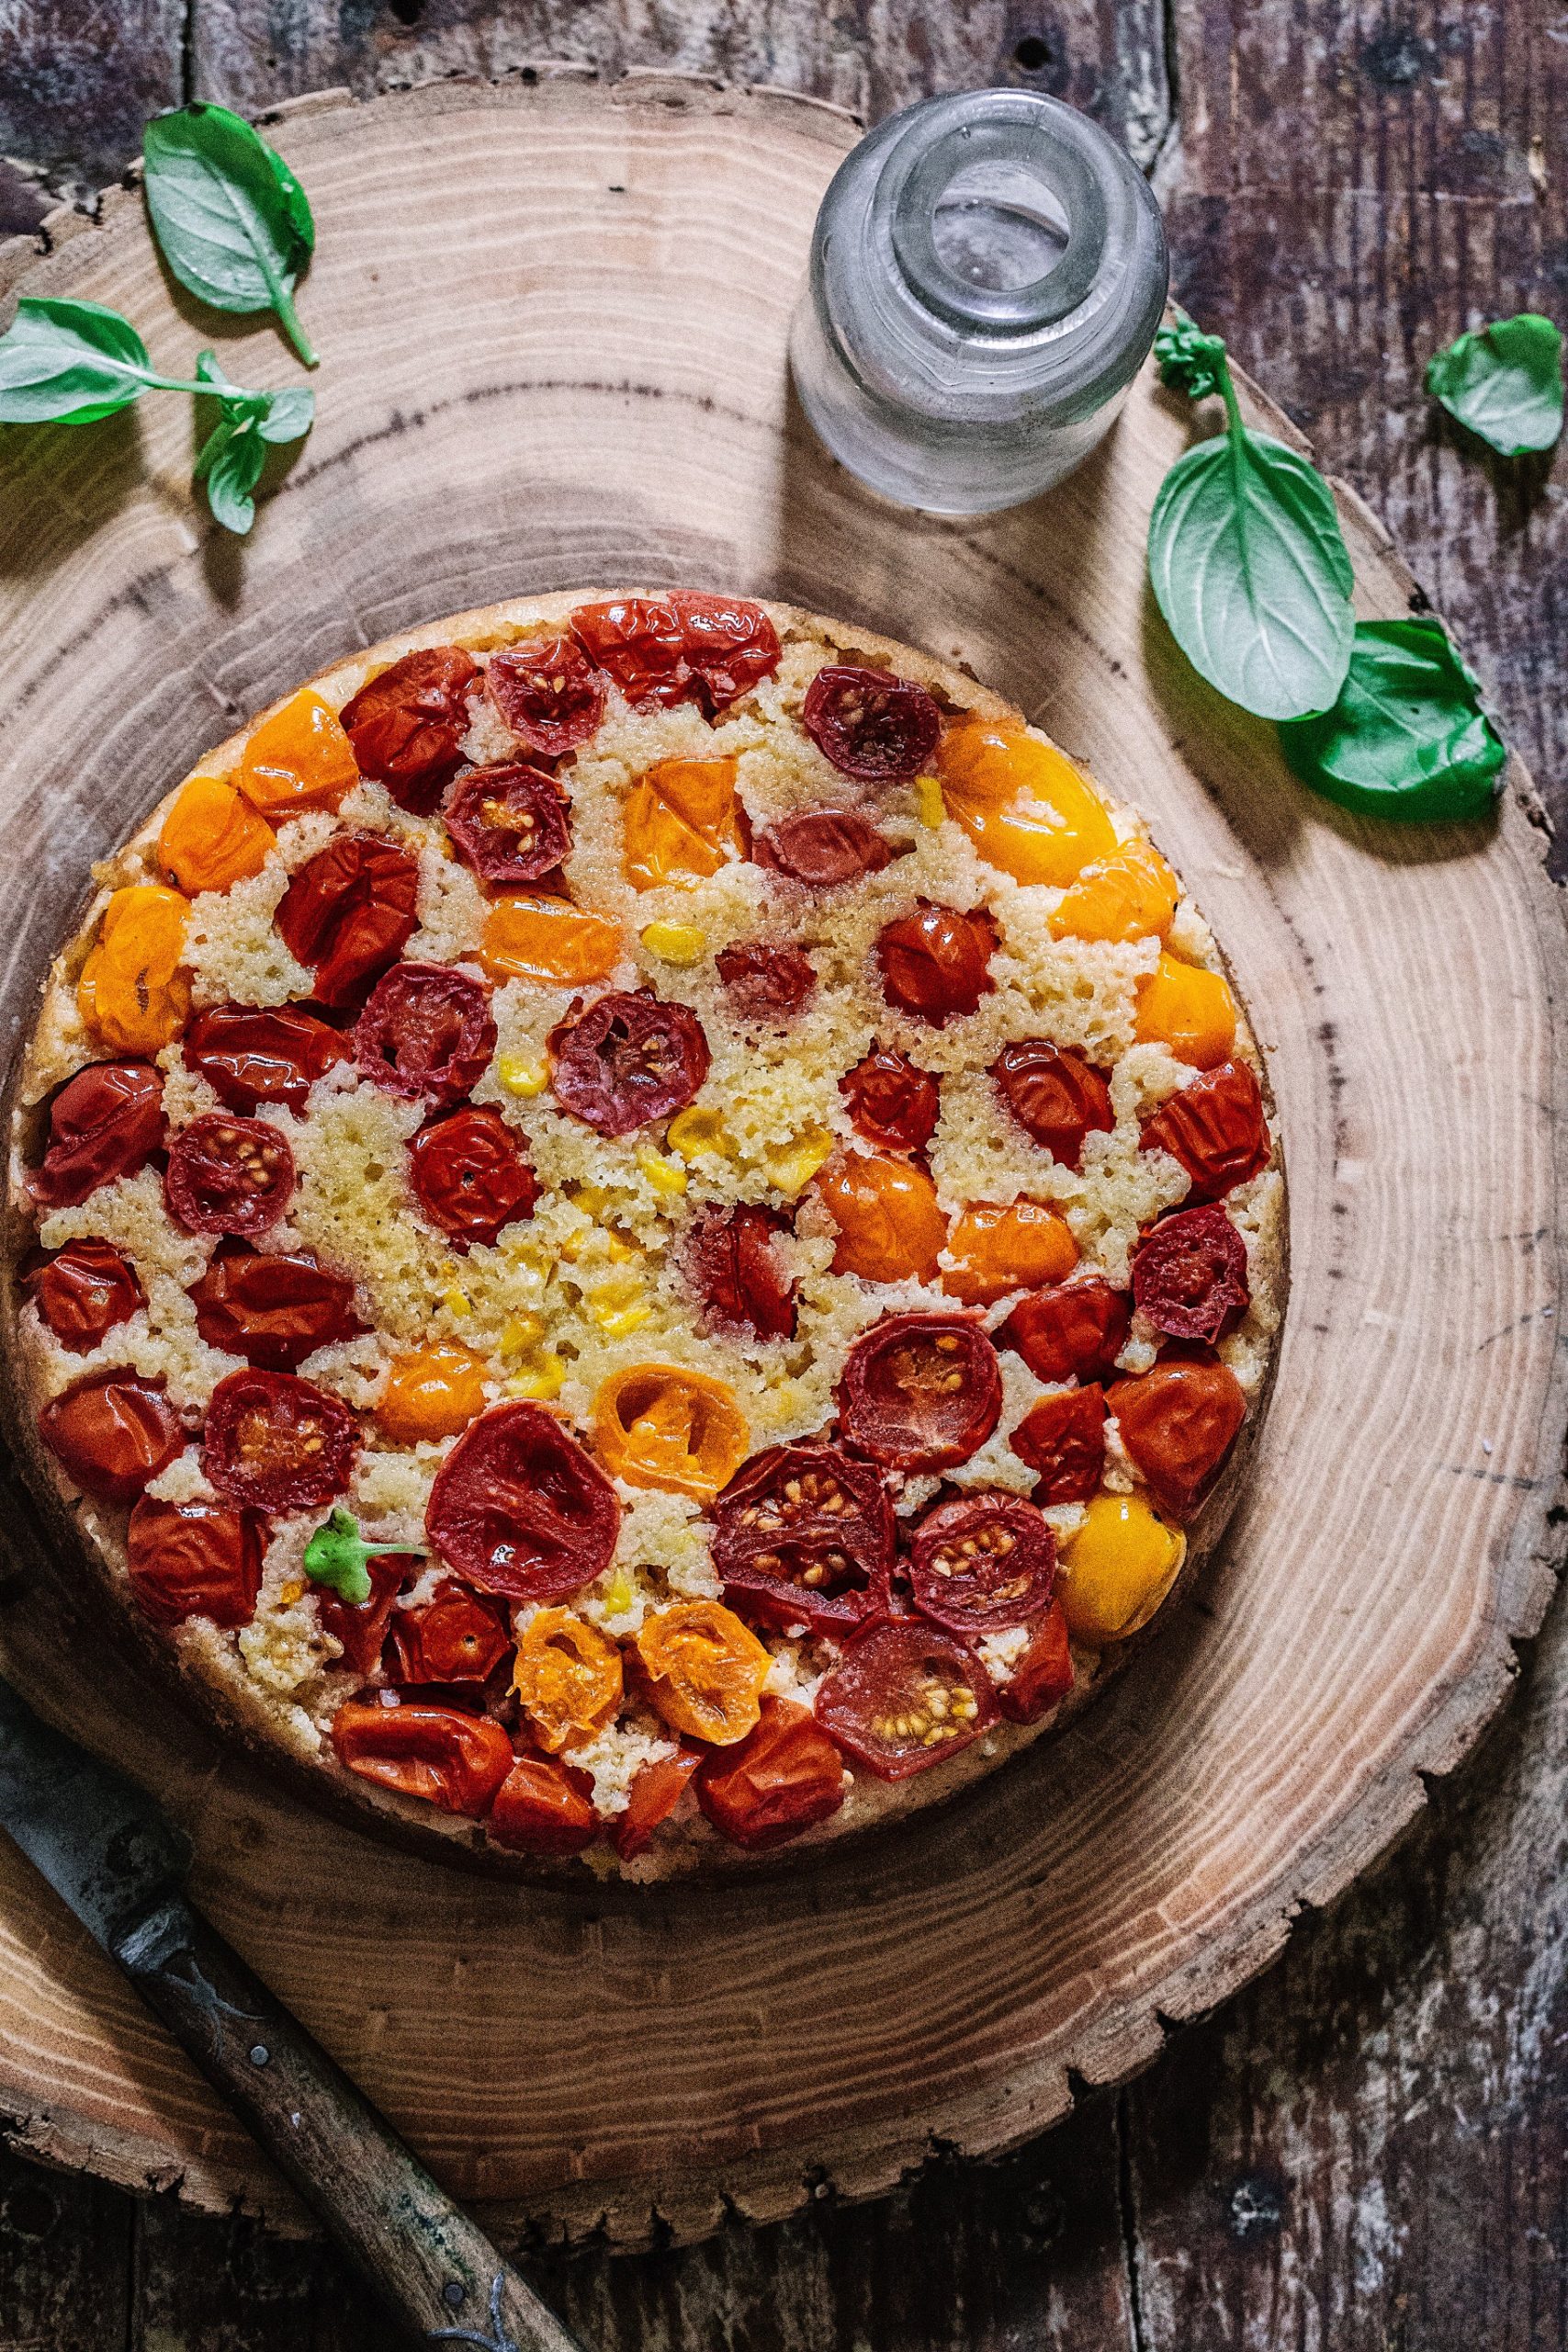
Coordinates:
(134, 992)
(1001, 1249)
(890, 1225)
(299, 758)
(705, 1670)
(1130, 895)
(434, 1393)
(547, 939)
(660, 1425)
(1188, 1010)
(1117, 1567)
(212, 838)
(568, 1676)
(1021, 802)
(679, 821)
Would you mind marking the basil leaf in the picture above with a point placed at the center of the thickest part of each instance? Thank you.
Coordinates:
(233, 223)
(1504, 383)
(232, 469)
(336, 1555)
(1190, 361)
(234, 454)
(1408, 738)
(69, 363)
(289, 415)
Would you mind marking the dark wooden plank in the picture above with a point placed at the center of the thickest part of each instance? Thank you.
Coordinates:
(65, 2260)
(78, 78)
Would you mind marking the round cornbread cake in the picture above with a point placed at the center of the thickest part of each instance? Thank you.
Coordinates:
(651, 1233)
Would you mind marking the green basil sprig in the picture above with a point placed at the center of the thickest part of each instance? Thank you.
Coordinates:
(234, 452)
(336, 1555)
(233, 223)
(1246, 554)
(1504, 382)
(1408, 738)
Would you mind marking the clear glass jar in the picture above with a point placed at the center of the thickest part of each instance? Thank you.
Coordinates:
(987, 274)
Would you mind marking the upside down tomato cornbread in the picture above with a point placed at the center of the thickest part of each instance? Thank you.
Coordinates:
(651, 1222)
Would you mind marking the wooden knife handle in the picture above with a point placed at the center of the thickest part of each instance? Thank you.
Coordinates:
(434, 2268)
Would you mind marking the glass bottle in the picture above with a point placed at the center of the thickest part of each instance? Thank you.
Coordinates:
(988, 273)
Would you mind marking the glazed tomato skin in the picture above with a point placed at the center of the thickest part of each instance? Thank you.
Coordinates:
(193, 1560)
(935, 964)
(278, 1442)
(1055, 1095)
(452, 1637)
(112, 1432)
(547, 693)
(680, 821)
(1063, 1438)
(703, 1670)
(274, 1310)
(728, 643)
(1215, 1128)
(450, 1759)
(1189, 1275)
(104, 1122)
(658, 1425)
(731, 1261)
(1021, 802)
(920, 1392)
(134, 992)
(824, 847)
(892, 1104)
(568, 1677)
(680, 648)
(869, 723)
(508, 823)
(1070, 1330)
(1178, 1422)
(433, 1393)
(1188, 1010)
(766, 983)
(541, 1808)
(427, 1033)
(1043, 1676)
(349, 912)
(297, 758)
(890, 1225)
(407, 724)
(804, 1535)
(250, 1054)
(653, 1796)
(998, 1249)
(519, 1508)
(229, 1175)
(84, 1291)
(781, 1780)
(361, 1626)
(547, 939)
(1130, 894)
(470, 1176)
(905, 1696)
(212, 838)
(981, 1562)
(628, 1060)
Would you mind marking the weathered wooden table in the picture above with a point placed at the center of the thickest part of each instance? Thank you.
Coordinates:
(1367, 2149)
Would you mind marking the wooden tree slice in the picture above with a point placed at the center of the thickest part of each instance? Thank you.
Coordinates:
(553, 321)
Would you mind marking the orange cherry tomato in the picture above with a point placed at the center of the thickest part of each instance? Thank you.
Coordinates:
(134, 992)
(885, 1209)
(705, 1670)
(547, 939)
(434, 1392)
(658, 1425)
(212, 838)
(568, 1676)
(299, 758)
(1132, 894)
(441, 1754)
(1001, 1249)
(1021, 802)
(678, 821)
(542, 1807)
(1188, 1010)
(653, 1796)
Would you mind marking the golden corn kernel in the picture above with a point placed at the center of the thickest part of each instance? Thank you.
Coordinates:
(675, 942)
(661, 1173)
(457, 1301)
(693, 1132)
(592, 1198)
(792, 1165)
(618, 1598)
(929, 807)
(291, 1593)
(541, 1384)
(520, 1332)
(521, 1077)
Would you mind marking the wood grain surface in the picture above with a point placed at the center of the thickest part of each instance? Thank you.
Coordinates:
(1365, 2148)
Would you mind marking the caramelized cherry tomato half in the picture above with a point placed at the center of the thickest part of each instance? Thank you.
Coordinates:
(104, 1122)
(1043, 1676)
(891, 1227)
(543, 1807)
(278, 1442)
(728, 644)
(766, 983)
(450, 1759)
(804, 1535)
(824, 847)
(112, 1432)
(920, 1392)
(427, 1033)
(1216, 1130)
(1178, 1422)
(936, 963)
(681, 647)
(518, 1508)
(654, 1795)
(660, 1425)
(250, 1054)
(869, 723)
(782, 1778)
(996, 1249)
(361, 1626)
(568, 1677)
(1063, 1438)
(628, 1060)
(229, 1175)
(892, 1104)
(982, 1562)
(272, 1310)
(1071, 1330)
(349, 912)
(453, 1637)
(1055, 1095)
(736, 1272)
(471, 1176)
(509, 824)
(905, 1696)
(1189, 1275)
(407, 724)
(550, 697)
(703, 1670)
(84, 1291)
(193, 1560)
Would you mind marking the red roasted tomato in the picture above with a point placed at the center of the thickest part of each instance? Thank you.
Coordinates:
(728, 644)
(824, 847)
(278, 1442)
(730, 1259)
(892, 1104)
(111, 1432)
(936, 963)
(550, 697)
(1044, 1674)
(250, 1054)
(450, 1759)
(1072, 1330)
(453, 1637)
(804, 1535)
(779, 1780)
(681, 647)
(84, 1291)
(361, 1626)
(766, 983)
(920, 1392)
(229, 1175)
(905, 1696)
(406, 726)
(1189, 1275)
(1178, 1422)
(472, 1177)
(104, 1122)
(656, 1791)
(272, 1310)
(542, 1807)
(1055, 1096)
(628, 1060)
(982, 1562)
(195, 1560)
(508, 823)
(1063, 1438)
(518, 1508)
(426, 1032)
(1215, 1128)
(349, 914)
(870, 724)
